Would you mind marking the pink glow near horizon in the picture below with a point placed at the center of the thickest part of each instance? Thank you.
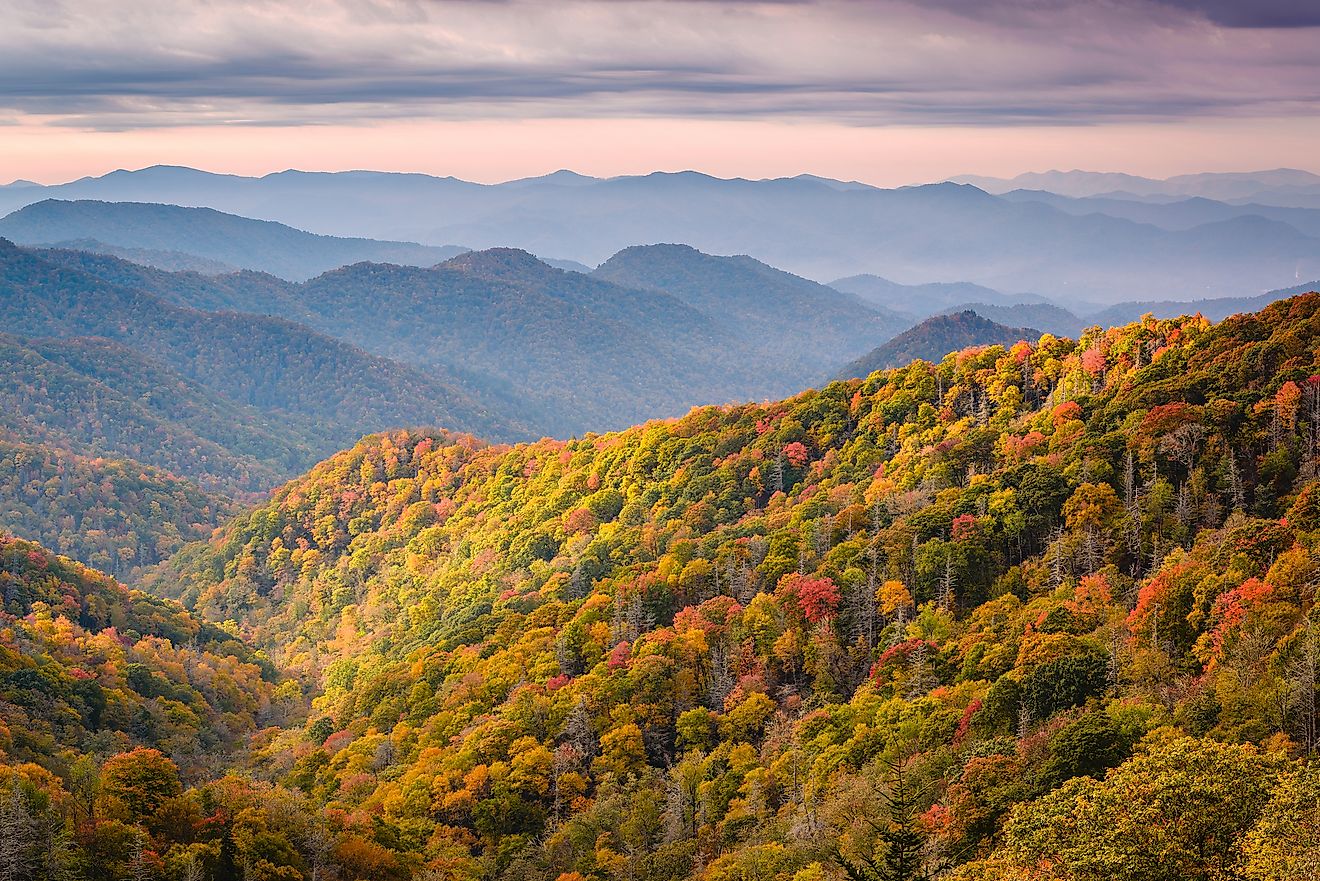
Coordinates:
(490, 151)
(885, 91)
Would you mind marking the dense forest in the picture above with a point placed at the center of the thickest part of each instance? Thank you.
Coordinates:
(111, 701)
(1043, 612)
(117, 515)
(98, 398)
(284, 370)
(579, 351)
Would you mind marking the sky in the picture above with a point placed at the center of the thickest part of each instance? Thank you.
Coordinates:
(882, 91)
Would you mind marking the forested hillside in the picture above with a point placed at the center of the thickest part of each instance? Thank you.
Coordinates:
(170, 261)
(116, 514)
(322, 392)
(385, 505)
(1045, 612)
(92, 667)
(208, 378)
(138, 404)
(557, 352)
(583, 351)
(100, 398)
(119, 715)
(246, 291)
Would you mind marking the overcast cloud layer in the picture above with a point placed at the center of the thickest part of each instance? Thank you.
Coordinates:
(111, 65)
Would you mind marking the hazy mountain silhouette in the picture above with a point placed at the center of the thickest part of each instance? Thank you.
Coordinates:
(555, 351)
(237, 242)
(1177, 214)
(170, 261)
(924, 300)
(1280, 186)
(1216, 309)
(323, 391)
(1045, 316)
(809, 226)
(595, 354)
(802, 324)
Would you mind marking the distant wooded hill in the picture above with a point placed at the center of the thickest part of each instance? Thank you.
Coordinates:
(934, 338)
(238, 399)
(523, 348)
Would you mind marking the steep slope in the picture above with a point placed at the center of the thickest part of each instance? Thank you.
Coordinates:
(99, 398)
(237, 241)
(575, 353)
(990, 611)
(116, 515)
(934, 338)
(809, 323)
(88, 666)
(277, 367)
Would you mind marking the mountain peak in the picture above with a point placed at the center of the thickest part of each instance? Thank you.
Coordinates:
(498, 262)
(564, 177)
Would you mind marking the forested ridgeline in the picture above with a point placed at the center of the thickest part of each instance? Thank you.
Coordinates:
(1043, 612)
(111, 701)
(115, 514)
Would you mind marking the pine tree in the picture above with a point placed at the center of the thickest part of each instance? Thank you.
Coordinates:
(900, 853)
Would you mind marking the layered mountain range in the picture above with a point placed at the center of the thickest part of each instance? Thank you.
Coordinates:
(230, 380)
(814, 227)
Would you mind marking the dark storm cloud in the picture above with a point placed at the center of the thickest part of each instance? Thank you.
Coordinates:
(1228, 13)
(103, 64)
(1256, 13)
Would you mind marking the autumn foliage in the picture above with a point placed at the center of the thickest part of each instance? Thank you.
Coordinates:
(692, 649)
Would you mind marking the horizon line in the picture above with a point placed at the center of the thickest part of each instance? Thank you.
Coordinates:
(24, 183)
